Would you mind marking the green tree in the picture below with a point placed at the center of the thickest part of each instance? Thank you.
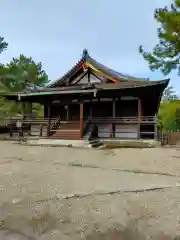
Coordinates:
(3, 45)
(21, 74)
(169, 95)
(169, 111)
(169, 115)
(5, 106)
(166, 54)
(24, 74)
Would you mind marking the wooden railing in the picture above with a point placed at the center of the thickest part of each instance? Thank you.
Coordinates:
(55, 125)
(55, 121)
(39, 120)
(143, 119)
(38, 124)
(114, 131)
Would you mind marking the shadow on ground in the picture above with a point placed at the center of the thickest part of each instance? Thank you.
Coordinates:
(127, 234)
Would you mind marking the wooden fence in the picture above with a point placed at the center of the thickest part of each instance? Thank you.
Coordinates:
(170, 138)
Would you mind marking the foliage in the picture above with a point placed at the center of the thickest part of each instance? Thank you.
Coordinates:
(21, 74)
(3, 45)
(4, 105)
(169, 94)
(38, 109)
(169, 116)
(166, 54)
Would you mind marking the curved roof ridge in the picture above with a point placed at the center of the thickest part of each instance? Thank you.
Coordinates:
(114, 72)
(53, 83)
(98, 65)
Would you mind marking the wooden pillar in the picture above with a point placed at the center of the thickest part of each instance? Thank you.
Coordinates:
(89, 79)
(29, 116)
(139, 110)
(111, 130)
(155, 129)
(10, 127)
(91, 110)
(49, 119)
(114, 108)
(114, 116)
(23, 105)
(139, 117)
(81, 120)
(41, 130)
(67, 112)
(155, 132)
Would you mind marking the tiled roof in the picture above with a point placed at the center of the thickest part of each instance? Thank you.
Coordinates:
(86, 57)
(112, 72)
(81, 89)
(130, 84)
(109, 86)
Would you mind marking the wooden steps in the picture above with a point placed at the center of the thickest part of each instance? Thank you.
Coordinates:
(67, 131)
(67, 135)
(70, 125)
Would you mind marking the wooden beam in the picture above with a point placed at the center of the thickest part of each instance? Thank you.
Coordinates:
(155, 131)
(96, 76)
(49, 119)
(139, 110)
(111, 130)
(139, 118)
(89, 80)
(114, 108)
(67, 112)
(81, 120)
(20, 129)
(102, 73)
(91, 109)
(29, 115)
(41, 130)
(114, 116)
(78, 79)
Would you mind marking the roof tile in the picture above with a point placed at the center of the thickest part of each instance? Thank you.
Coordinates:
(86, 57)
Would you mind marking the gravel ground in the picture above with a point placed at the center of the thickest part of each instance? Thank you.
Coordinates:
(67, 193)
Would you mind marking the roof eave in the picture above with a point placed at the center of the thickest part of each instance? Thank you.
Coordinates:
(20, 96)
(93, 89)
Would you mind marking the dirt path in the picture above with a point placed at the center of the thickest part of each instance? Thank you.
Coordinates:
(53, 193)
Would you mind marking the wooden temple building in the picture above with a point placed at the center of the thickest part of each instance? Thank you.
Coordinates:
(92, 101)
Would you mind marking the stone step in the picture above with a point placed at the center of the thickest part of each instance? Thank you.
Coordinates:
(95, 143)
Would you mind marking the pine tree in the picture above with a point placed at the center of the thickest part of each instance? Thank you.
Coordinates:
(166, 54)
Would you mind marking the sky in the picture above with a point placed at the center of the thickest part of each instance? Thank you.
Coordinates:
(55, 32)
